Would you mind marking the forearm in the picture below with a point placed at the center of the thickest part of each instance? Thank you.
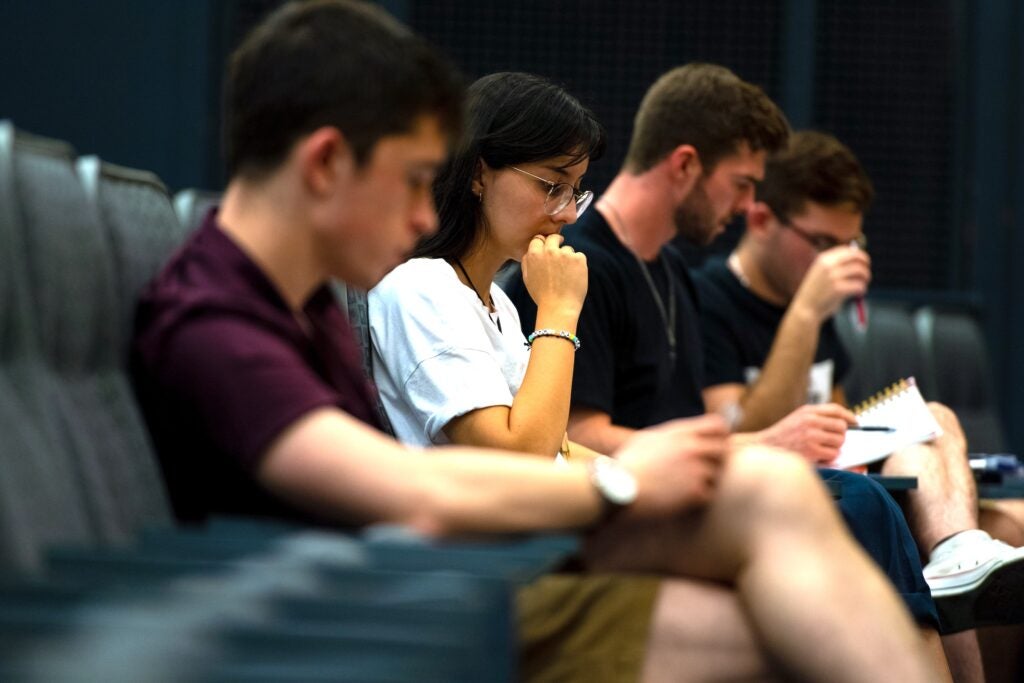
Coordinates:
(782, 385)
(335, 468)
(540, 410)
(579, 452)
(595, 431)
(480, 491)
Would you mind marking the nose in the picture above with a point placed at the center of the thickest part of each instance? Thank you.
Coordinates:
(424, 215)
(567, 216)
(744, 200)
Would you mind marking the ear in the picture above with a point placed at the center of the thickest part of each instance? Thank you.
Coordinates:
(482, 169)
(685, 167)
(324, 157)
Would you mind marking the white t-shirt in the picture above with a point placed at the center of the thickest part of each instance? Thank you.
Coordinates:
(437, 351)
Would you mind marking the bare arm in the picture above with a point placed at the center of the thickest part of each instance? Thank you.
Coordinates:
(331, 465)
(835, 275)
(594, 429)
(816, 432)
(556, 278)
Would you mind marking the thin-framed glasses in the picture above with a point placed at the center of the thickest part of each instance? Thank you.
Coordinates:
(824, 242)
(560, 194)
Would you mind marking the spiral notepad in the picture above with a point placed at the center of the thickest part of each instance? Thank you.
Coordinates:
(899, 406)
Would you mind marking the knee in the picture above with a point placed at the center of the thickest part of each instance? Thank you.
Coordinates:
(772, 482)
(949, 422)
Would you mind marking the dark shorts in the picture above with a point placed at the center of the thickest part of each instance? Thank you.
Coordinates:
(877, 523)
(592, 628)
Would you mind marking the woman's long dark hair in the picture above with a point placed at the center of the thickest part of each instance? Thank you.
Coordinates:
(511, 118)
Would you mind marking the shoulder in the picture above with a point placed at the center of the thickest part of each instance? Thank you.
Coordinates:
(716, 284)
(411, 275)
(417, 284)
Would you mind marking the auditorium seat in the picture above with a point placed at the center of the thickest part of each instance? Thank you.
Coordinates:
(884, 352)
(954, 349)
(192, 204)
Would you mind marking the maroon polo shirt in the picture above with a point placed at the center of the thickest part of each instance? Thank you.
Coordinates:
(221, 367)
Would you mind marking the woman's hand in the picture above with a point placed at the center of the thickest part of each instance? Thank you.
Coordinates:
(555, 276)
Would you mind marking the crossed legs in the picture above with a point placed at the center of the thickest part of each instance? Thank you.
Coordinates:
(816, 606)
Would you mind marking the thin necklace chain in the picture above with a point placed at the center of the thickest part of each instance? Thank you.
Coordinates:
(489, 306)
(668, 315)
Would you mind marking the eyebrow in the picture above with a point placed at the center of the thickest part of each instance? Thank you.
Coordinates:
(561, 172)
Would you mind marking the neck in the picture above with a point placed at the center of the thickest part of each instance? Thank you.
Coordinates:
(263, 222)
(639, 213)
(746, 265)
(481, 267)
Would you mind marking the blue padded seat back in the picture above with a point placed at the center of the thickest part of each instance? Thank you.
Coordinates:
(954, 347)
(42, 501)
(353, 301)
(89, 401)
(140, 225)
(883, 353)
(191, 206)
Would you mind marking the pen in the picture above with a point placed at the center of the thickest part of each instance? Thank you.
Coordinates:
(872, 428)
(860, 310)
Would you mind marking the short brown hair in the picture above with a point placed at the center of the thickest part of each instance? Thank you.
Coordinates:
(337, 63)
(706, 106)
(814, 167)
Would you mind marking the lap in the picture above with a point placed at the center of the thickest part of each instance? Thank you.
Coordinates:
(579, 627)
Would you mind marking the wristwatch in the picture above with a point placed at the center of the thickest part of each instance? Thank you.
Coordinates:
(614, 482)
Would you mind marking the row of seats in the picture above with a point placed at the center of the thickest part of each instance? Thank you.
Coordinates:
(96, 580)
(943, 348)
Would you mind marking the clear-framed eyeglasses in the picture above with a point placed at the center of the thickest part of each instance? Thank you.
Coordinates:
(560, 194)
(821, 242)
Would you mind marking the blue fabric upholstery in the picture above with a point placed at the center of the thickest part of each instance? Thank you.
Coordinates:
(954, 349)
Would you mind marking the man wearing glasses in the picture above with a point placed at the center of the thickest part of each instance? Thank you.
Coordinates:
(770, 346)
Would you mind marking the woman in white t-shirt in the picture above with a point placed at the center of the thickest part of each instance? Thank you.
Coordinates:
(449, 357)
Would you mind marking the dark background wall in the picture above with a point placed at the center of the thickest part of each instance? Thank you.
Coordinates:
(928, 93)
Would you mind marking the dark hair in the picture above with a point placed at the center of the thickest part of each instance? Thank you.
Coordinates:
(331, 63)
(814, 167)
(706, 106)
(511, 118)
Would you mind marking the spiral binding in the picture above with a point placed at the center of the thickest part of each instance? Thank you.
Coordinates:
(888, 393)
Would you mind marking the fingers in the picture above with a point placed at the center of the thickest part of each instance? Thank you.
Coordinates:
(551, 242)
(834, 410)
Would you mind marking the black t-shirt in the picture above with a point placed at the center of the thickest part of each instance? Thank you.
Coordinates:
(623, 367)
(739, 328)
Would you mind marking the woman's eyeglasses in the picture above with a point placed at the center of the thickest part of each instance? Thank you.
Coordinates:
(560, 194)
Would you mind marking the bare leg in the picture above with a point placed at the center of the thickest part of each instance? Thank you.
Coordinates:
(964, 656)
(700, 633)
(1003, 519)
(818, 605)
(1002, 649)
(946, 499)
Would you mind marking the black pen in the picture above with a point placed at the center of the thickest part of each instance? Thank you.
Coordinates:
(872, 428)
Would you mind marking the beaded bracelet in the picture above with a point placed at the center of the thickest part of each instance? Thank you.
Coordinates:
(568, 336)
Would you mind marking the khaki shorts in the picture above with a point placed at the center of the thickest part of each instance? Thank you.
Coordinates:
(593, 628)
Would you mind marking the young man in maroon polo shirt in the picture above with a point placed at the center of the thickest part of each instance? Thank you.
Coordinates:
(337, 119)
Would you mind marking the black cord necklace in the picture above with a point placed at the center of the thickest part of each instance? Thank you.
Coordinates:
(489, 306)
(668, 313)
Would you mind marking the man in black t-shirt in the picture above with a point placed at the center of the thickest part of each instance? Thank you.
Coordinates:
(698, 149)
(770, 346)
(738, 329)
(625, 367)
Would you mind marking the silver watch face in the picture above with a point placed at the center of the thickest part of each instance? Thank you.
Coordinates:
(614, 481)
